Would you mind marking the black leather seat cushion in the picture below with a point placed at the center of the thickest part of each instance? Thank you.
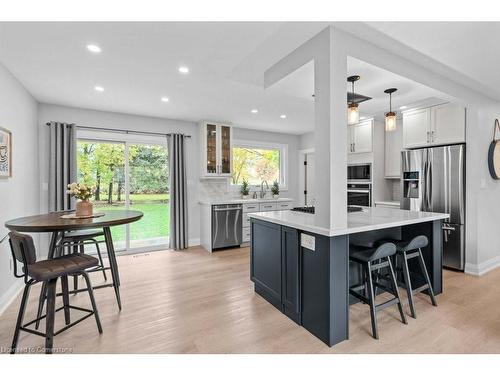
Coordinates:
(80, 235)
(418, 242)
(364, 254)
(67, 264)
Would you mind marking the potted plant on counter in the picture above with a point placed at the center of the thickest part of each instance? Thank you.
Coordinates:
(245, 189)
(275, 189)
(82, 192)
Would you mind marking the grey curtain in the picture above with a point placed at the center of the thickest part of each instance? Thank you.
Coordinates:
(62, 165)
(178, 192)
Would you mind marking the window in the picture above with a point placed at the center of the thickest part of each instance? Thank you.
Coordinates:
(256, 161)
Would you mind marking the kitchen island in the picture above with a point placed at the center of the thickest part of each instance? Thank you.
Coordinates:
(303, 269)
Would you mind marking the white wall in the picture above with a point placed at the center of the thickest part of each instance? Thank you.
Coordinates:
(86, 117)
(18, 113)
(483, 193)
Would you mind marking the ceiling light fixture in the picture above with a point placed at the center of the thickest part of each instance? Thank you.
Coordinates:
(254, 111)
(352, 108)
(283, 116)
(403, 107)
(93, 48)
(165, 99)
(99, 88)
(390, 117)
(184, 70)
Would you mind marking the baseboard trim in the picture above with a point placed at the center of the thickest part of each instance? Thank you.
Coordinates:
(10, 295)
(194, 242)
(482, 268)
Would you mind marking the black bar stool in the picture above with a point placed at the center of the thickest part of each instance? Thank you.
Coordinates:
(374, 259)
(76, 239)
(23, 251)
(407, 250)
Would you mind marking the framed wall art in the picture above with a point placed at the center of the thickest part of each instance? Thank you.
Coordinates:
(5, 153)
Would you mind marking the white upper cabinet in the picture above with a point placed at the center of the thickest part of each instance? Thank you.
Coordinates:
(360, 137)
(439, 125)
(416, 128)
(393, 147)
(448, 122)
(216, 152)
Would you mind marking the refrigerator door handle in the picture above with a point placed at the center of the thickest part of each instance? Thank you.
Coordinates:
(429, 187)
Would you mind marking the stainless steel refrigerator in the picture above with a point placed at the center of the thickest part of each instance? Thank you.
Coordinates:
(433, 180)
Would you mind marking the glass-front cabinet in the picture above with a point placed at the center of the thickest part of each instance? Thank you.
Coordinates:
(216, 153)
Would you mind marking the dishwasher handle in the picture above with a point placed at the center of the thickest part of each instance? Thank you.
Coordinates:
(227, 209)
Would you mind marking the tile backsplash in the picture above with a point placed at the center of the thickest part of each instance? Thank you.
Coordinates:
(216, 188)
(396, 190)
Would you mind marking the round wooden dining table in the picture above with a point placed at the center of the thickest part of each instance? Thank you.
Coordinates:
(55, 224)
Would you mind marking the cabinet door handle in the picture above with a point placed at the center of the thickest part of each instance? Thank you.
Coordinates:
(428, 137)
(432, 136)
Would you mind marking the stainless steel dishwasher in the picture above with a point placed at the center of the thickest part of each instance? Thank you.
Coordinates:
(226, 225)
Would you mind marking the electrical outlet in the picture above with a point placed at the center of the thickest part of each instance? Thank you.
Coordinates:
(308, 241)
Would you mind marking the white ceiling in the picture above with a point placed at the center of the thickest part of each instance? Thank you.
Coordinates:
(471, 48)
(139, 64)
(373, 82)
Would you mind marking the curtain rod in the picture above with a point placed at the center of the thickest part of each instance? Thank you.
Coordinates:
(124, 131)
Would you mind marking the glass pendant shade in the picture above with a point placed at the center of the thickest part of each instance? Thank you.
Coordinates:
(390, 121)
(390, 117)
(352, 114)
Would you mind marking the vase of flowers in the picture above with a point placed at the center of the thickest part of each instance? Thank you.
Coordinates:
(83, 192)
(275, 189)
(245, 189)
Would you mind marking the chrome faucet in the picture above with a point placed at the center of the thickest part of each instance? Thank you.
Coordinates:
(262, 192)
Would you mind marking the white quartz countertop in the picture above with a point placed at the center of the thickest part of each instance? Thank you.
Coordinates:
(236, 201)
(389, 203)
(371, 218)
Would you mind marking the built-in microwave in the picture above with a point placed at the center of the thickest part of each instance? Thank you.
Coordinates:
(359, 173)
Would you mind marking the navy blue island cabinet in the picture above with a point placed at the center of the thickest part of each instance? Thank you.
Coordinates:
(276, 266)
(310, 284)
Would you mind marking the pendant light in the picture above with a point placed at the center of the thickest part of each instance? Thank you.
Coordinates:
(352, 108)
(390, 117)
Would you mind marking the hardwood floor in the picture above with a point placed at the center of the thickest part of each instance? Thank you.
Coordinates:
(195, 302)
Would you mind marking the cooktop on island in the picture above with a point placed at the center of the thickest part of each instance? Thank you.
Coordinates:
(310, 209)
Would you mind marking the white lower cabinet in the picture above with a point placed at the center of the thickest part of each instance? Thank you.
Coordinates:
(246, 220)
(267, 206)
(246, 234)
(260, 207)
(284, 206)
(251, 207)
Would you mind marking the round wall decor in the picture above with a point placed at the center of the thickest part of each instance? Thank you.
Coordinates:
(494, 154)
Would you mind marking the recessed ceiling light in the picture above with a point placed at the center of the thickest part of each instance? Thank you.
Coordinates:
(254, 111)
(183, 69)
(99, 88)
(403, 107)
(93, 48)
(165, 99)
(362, 118)
(283, 116)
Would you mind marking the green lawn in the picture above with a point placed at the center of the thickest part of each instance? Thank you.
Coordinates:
(138, 197)
(155, 222)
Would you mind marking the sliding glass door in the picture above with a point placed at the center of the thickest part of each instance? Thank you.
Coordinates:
(148, 192)
(129, 173)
